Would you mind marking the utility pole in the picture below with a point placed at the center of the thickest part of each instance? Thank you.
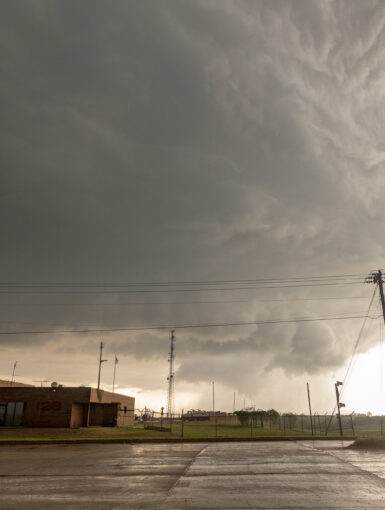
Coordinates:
(100, 362)
(13, 372)
(213, 397)
(376, 278)
(234, 403)
(170, 378)
(339, 405)
(311, 418)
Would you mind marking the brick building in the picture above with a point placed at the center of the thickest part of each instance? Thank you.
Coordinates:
(64, 407)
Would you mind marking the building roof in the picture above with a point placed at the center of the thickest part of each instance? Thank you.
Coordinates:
(14, 384)
(77, 394)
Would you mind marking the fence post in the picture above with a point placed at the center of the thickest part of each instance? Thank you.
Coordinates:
(182, 422)
(351, 421)
(216, 426)
(284, 425)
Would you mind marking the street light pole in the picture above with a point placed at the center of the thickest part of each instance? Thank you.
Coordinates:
(339, 405)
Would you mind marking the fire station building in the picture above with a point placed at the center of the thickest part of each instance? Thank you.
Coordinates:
(31, 406)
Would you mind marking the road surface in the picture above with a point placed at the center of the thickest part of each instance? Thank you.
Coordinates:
(268, 475)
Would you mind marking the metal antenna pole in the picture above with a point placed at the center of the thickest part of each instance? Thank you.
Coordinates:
(170, 378)
(41, 382)
(113, 382)
(13, 372)
(100, 362)
(311, 418)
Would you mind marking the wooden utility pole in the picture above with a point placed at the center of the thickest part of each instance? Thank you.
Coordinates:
(311, 418)
(376, 278)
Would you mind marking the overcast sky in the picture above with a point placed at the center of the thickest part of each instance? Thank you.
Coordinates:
(157, 141)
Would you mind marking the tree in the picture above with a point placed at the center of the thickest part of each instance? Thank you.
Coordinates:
(243, 417)
(260, 414)
(273, 416)
(292, 419)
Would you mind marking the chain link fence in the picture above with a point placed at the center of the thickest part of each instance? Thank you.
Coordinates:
(244, 424)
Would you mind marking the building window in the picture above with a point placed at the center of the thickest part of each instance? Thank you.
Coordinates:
(3, 412)
(11, 414)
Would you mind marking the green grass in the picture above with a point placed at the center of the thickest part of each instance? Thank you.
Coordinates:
(369, 443)
(90, 433)
(203, 430)
(194, 431)
(369, 440)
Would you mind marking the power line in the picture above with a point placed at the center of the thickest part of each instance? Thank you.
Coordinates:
(132, 303)
(180, 282)
(140, 291)
(116, 324)
(355, 349)
(139, 303)
(357, 342)
(190, 326)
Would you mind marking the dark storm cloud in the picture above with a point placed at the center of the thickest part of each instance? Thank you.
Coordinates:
(186, 140)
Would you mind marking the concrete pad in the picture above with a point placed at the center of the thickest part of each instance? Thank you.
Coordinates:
(372, 462)
(273, 475)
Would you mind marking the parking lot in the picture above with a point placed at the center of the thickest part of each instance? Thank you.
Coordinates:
(192, 475)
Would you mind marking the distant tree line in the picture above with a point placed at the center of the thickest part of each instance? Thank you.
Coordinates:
(258, 417)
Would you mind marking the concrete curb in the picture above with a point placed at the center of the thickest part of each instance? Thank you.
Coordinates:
(173, 440)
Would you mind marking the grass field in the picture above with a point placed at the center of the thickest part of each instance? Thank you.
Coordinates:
(369, 443)
(369, 440)
(138, 432)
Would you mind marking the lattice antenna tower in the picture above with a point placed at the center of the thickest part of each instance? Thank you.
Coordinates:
(170, 378)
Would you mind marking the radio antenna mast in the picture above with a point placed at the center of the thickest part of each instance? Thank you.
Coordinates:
(170, 378)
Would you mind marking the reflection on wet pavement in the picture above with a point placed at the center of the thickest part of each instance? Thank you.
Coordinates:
(307, 474)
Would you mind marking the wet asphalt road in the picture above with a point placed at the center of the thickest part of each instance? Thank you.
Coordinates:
(269, 475)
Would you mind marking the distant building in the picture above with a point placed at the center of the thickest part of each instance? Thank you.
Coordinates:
(31, 406)
(217, 416)
(197, 415)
